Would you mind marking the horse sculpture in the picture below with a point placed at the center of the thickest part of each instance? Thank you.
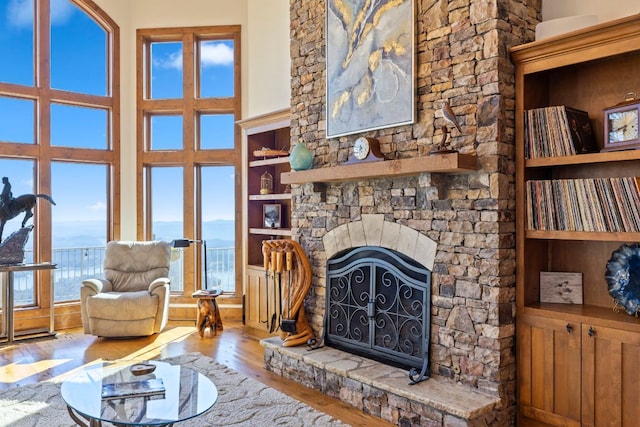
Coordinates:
(24, 203)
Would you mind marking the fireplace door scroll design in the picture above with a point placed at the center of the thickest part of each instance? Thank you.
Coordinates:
(378, 305)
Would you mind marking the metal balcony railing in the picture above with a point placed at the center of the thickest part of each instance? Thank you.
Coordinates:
(77, 264)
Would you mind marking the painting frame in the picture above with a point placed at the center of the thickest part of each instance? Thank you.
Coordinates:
(370, 66)
(272, 215)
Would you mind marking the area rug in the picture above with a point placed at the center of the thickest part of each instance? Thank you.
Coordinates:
(242, 401)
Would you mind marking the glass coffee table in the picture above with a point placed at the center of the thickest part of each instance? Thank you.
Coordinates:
(111, 392)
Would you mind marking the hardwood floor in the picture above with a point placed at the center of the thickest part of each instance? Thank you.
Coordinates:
(31, 361)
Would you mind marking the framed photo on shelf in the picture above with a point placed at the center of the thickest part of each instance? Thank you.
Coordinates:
(272, 215)
(560, 287)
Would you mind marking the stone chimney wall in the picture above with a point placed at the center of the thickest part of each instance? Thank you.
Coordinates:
(461, 55)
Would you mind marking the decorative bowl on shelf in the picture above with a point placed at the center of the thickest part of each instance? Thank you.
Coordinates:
(623, 277)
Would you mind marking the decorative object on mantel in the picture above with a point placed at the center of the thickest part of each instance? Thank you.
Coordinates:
(287, 266)
(621, 124)
(450, 117)
(301, 158)
(623, 278)
(370, 69)
(365, 149)
(12, 248)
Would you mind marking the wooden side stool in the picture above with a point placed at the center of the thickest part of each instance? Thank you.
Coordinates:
(208, 312)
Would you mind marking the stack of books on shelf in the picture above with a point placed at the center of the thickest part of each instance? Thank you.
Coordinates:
(557, 131)
(588, 204)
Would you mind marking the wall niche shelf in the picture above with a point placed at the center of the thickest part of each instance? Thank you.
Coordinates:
(441, 163)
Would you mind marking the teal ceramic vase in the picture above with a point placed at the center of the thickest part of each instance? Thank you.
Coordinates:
(301, 158)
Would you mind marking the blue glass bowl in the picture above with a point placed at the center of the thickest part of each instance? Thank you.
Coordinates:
(623, 277)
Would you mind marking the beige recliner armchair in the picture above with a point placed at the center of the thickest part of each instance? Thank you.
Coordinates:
(133, 297)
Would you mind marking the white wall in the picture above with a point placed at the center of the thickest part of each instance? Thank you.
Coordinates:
(605, 9)
(265, 63)
(269, 56)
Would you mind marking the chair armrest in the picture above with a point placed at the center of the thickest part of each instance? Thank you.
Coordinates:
(98, 285)
(159, 283)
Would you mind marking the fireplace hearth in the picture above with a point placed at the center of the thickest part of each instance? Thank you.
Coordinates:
(378, 306)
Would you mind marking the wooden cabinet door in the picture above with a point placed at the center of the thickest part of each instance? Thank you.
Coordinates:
(261, 303)
(549, 371)
(611, 377)
(255, 309)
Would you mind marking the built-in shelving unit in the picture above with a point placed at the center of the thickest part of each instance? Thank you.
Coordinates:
(575, 359)
(271, 132)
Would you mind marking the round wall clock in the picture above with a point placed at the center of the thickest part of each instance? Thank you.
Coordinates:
(621, 124)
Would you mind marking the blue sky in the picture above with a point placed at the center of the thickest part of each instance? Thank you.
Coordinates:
(84, 127)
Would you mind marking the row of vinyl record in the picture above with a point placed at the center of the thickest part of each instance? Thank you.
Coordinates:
(557, 131)
(588, 204)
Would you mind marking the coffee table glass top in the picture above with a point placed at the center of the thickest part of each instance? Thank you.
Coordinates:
(187, 394)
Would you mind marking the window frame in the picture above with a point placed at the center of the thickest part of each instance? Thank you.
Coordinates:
(44, 154)
(190, 157)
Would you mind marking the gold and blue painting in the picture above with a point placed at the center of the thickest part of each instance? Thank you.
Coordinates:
(370, 65)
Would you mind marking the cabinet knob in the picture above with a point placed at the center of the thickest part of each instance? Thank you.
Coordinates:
(592, 331)
(569, 328)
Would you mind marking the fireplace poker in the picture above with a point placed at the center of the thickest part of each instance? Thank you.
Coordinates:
(274, 258)
(288, 324)
(279, 269)
(265, 257)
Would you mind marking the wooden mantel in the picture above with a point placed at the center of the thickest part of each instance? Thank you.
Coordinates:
(439, 163)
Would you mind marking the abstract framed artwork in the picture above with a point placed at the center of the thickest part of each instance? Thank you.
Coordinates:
(370, 65)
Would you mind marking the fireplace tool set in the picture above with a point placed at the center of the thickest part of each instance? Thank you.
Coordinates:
(288, 280)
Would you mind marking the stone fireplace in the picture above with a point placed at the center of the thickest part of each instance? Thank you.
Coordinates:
(459, 226)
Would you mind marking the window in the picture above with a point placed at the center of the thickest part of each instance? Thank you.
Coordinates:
(57, 115)
(187, 145)
(80, 225)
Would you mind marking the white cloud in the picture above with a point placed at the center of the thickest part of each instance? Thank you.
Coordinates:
(20, 12)
(61, 11)
(28, 183)
(98, 207)
(173, 60)
(213, 54)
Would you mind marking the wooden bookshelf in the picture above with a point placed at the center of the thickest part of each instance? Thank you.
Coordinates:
(573, 359)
